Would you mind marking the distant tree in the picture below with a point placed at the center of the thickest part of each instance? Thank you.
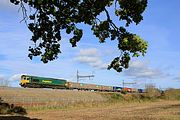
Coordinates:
(3, 81)
(48, 18)
(152, 92)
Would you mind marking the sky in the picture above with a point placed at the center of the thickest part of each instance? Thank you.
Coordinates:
(160, 66)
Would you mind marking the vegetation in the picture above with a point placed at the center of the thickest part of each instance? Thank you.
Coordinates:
(152, 94)
(171, 94)
(93, 105)
(6, 108)
(160, 110)
(44, 99)
(49, 18)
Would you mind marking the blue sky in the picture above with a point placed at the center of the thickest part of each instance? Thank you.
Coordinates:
(160, 66)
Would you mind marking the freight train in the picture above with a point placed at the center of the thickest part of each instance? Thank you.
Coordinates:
(43, 82)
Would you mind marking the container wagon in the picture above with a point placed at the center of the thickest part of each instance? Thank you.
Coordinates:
(106, 88)
(127, 89)
(134, 90)
(117, 89)
(82, 86)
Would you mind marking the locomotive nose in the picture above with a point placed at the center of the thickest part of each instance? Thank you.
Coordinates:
(24, 80)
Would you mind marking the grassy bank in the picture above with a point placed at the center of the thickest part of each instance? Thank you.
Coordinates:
(118, 98)
(150, 95)
(41, 99)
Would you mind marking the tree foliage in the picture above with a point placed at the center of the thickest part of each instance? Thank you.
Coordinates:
(48, 18)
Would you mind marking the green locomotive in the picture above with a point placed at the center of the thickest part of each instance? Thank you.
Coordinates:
(42, 82)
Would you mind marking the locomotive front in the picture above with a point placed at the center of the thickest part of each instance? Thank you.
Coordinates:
(24, 80)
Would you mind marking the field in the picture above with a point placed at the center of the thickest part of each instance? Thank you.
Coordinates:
(47, 104)
(48, 98)
(164, 110)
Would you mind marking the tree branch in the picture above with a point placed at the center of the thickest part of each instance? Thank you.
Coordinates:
(109, 19)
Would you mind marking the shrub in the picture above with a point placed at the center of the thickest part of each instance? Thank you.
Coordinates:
(6, 108)
(19, 110)
(173, 94)
(152, 93)
(124, 92)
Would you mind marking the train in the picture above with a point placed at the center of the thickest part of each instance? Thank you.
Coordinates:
(43, 82)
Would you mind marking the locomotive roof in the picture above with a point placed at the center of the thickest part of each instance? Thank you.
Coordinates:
(43, 77)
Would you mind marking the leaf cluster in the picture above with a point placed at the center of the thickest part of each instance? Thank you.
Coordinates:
(49, 18)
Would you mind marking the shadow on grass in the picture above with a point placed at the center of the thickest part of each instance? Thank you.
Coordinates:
(17, 118)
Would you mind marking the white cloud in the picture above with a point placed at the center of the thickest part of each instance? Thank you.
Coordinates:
(91, 57)
(177, 78)
(138, 64)
(9, 81)
(88, 52)
(15, 77)
(139, 70)
(88, 59)
(6, 4)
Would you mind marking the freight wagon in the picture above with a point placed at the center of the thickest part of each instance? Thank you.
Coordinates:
(81, 86)
(134, 90)
(141, 90)
(117, 89)
(127, 89)
(106, 88)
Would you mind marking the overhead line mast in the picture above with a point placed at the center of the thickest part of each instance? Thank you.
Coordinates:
(83, 76)
(130, 83)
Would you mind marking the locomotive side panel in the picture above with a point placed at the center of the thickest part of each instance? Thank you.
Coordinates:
(40, 82)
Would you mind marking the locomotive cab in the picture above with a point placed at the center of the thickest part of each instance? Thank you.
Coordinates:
(24, 80)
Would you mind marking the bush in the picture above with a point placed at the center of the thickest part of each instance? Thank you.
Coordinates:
(124, 92)
(173, 94)
(19, 110)
(6, 108)
(116, 96)
(152, 93)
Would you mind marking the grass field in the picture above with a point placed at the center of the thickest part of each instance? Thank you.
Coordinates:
(48, 98)
(161, 110)
(48, 104)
